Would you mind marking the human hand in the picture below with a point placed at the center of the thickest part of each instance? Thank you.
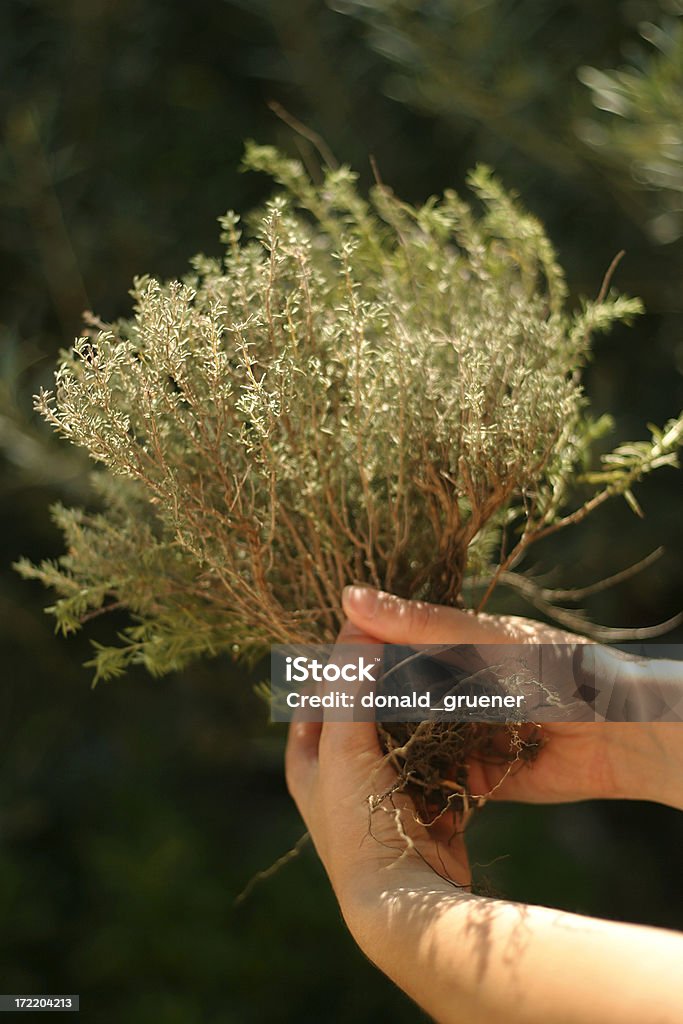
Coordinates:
(581, 760)
(368, 837)
(458, 955)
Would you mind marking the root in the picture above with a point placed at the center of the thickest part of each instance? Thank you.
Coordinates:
(262, 876)
(431, 760)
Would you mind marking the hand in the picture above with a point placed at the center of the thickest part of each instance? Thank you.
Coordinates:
(368, 838)
(581, 760)
(461, 956)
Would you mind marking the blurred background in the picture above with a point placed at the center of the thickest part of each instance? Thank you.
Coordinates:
(131, 815)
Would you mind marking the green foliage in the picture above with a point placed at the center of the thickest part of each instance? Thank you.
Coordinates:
(508, 69)
(644, 104)
(359, 391)
(490, 62)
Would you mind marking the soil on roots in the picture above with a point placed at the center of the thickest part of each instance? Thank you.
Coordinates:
(433, 759)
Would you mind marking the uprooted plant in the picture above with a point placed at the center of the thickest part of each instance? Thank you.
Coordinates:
(359, 391)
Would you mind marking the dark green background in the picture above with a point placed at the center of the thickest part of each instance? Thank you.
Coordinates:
(131, 816)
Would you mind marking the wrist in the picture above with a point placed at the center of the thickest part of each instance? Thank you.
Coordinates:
(649, 760)
(657, 687)
(638, 702)
(389, 921)
(374, 905)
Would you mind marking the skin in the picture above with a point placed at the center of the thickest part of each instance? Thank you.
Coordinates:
(404, 889)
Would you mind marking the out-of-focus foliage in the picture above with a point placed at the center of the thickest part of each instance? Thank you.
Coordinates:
(489, 63)
(645, 131)
(494, 67)
(131, 815)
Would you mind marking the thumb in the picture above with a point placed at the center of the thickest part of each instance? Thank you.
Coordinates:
(395, 620)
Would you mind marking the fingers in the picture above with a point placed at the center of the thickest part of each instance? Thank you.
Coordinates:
(304, 739)
(352, 633)
(334, 770)
(395, 620)
(301, 760)
(351, 747)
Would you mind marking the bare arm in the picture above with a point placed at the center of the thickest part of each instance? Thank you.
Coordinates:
(470, 959)
(405, 895)
(465, 958)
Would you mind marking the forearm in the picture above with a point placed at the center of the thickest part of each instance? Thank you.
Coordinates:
(474, 960)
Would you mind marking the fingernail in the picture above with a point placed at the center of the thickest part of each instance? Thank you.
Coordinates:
(362, 599)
